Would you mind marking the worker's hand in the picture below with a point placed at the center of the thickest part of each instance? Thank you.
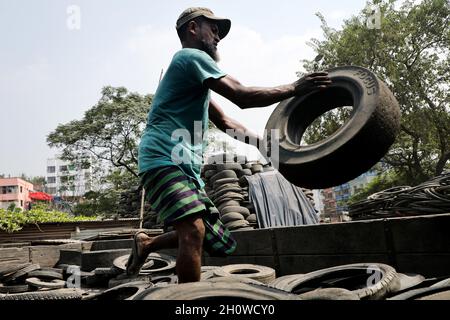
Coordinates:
(312, 82)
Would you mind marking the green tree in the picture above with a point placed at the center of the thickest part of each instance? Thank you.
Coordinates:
(110, 130)
(411, 53)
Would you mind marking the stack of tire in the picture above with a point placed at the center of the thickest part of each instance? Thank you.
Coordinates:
(227, 186)
(29, 281)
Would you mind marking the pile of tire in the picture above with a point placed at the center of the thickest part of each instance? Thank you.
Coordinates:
(363, 281)
(29, 281)
(430, 197)
(242, 272)
(227, 186)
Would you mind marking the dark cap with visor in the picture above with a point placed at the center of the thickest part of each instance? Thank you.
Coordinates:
(189, 14)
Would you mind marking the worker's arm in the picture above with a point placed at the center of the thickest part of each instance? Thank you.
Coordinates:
(223, 122)
(253, 97)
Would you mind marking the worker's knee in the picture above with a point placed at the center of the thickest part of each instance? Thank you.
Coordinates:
(191, 231)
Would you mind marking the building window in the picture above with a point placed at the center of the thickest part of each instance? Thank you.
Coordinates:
(21, 189)
(21, 203)
(9, 189)
(63, 168)
(51, 179)
(52, 190)
(51, 169)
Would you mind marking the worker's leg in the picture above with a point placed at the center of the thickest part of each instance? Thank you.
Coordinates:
(145, 245)
(191, 232)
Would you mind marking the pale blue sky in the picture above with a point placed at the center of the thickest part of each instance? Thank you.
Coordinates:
(50, 74)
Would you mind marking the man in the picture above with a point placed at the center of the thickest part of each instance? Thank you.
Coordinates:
(169, 169)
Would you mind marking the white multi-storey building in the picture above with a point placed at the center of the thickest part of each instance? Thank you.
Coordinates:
(67, 179)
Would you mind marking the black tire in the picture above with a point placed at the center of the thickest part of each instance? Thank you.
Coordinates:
(231, 217)
(231, 203)
(442, 283)
(353, 277)
(252, 218)
(403, 282)
(329, 294)
(21, 273)
(256, 168)
(262, 274)
(238, 224)
(249, 228)
(229, 196)
(126, 291)
(225, 174)
(173, 279)
(226, 186)
(235, 279)
(162, 263)
(284, 282)
(243, 182)
(18, 288)
(11, 268)
(208, 268)
(46, 274)
(370, 131)
(224, 191)
(45, 284)
(208, 167)
(224, 181)
(60, 294)
(210, 173)
(107, 272)
(229, 166)
(247, 166)
(125, 279)
(244, 172)
(210, 290)
(423, 293)
(242, 210)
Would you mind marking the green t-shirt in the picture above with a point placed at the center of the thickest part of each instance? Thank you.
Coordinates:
(178, 116)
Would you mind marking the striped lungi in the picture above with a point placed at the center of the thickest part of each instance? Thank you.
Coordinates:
(174, 196)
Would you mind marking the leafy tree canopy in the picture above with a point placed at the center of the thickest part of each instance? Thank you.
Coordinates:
(110, 131)
(411, 53)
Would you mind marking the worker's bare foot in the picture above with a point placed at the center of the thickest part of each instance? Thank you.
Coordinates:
(140, 251)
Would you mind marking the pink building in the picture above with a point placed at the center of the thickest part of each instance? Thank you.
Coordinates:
(14, 190)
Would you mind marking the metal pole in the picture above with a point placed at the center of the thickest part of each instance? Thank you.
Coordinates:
(142, 208)
(141, 219)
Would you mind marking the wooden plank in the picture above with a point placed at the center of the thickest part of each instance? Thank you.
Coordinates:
(254, 243)
(428, 265)
(268, 261)
(14, 256)
(345, 238)
(424, 234)
(48, 256)
(292, 264)
(101, 259)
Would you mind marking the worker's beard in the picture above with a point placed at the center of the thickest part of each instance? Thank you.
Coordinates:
(211, 50)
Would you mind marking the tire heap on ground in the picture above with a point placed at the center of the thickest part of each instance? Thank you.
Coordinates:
(130, 207)
(29, 281)
(227, 186)
(430, 197)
